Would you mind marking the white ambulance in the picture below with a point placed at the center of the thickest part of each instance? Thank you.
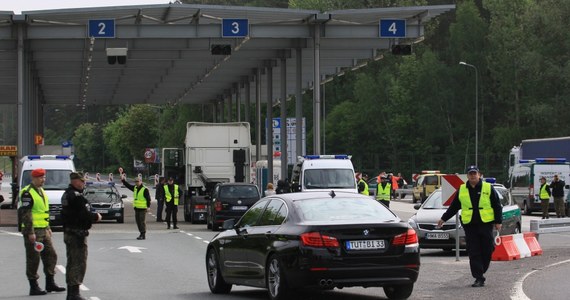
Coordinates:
(323, 173)
(58, 168)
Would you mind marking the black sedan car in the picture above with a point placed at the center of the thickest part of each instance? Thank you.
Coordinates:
(106, 200)
(230, 201)
(317, 240)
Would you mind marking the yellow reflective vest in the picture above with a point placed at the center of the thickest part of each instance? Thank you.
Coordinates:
(383, 193)
(169, 196)
(140, 200)
(485, 209)
(365, 191)
(40, 210)
(544, 192)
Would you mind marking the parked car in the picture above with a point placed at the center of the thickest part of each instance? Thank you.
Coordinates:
(321, 240)
(105, 199)
(230, 201)
(425, 221)
(426, 184)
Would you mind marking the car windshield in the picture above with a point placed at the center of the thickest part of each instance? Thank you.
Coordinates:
(431, 180)
(55, 179)
(434, 201)
(343, 209)
(239, 191)
(329, 179)
(100, 195)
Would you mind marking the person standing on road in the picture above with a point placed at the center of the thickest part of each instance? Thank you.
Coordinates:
(172, 194)
(362, 184)
(269, 191)
(544, 196)
(34, 221)
(77, 219)
(141, 202)
(384, 191)
(159, 196)
(557, 189)
(480, 211)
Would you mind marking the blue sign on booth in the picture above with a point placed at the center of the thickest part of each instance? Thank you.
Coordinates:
(235, 28)
(392, 28)
(102, 28)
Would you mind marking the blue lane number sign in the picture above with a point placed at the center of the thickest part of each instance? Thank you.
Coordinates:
(235, 27)
(102, 28)
(392, 28)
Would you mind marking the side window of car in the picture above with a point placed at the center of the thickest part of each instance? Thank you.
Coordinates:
(275, 213)
(252, 215)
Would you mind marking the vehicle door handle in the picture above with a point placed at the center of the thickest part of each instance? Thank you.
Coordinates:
(268, 234)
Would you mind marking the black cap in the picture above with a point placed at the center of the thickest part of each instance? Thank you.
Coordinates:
(75, 175)
(472, 168)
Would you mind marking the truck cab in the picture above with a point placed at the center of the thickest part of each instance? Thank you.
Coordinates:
(323, 173)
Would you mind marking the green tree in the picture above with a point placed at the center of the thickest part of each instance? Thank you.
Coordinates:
(89, 147)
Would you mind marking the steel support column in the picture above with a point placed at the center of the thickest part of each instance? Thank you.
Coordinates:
(299, 103)
(269, 123)
(247, 100)
(258, 115)
(283, 128)
(317, 90)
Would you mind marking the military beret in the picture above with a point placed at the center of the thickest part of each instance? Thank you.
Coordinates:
(38, 172)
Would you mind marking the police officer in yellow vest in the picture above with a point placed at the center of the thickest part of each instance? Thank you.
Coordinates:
(384, 191)
(544, 196)
(34, 221)
(481, 211)
(141, 202)
(362, 184)
(172, 195)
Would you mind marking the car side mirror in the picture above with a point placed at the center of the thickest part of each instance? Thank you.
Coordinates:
(123, 196)
(567, 186)
(417, 206)
(229, 224)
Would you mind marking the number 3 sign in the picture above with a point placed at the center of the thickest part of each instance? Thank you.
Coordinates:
(235, 27)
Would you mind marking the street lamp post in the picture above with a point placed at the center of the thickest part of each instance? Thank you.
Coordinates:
(476, 108)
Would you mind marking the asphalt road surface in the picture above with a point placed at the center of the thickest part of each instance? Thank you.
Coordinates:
(170, 264)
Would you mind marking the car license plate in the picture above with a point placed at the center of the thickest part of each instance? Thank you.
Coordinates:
(437, 236)
(365, 245)
(239, 207)
(52, 218)
(101, 211)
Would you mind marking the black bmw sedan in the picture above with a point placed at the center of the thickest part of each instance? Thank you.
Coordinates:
(315, 240)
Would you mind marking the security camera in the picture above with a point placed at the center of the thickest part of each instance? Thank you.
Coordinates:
(116, 55)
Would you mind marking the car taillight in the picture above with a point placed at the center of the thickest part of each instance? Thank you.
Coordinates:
(316, 239)
(200, 206)
(408, 238)
(218, 206)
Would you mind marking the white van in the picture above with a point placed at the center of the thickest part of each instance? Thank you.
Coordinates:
(323, 173)
(58, 168)
(525, 181)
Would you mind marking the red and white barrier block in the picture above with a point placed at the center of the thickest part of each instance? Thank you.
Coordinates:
(516, 246)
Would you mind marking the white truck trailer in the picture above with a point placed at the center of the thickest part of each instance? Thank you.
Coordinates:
(214, 153)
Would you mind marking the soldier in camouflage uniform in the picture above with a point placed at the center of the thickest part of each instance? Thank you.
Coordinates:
(34, 221)
(77, 220)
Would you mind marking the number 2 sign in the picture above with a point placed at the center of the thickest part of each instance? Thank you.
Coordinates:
(392, 28)
(102, 28)
(235, 27)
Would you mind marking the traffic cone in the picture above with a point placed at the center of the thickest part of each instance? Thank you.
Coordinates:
(532, 242)
(506, 249)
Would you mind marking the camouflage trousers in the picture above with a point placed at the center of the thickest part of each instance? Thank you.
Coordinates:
(48, 255)
(76, 247)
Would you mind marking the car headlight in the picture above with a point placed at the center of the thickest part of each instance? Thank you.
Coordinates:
(117, 205)
(413, 223)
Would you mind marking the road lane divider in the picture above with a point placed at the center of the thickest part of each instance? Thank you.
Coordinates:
(516, 246)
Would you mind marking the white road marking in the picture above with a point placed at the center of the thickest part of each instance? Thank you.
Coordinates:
(11, 233)
(189, 234)
(94, 298)
(61, 269)
(132, 249)
(517, 293)
(206, 242)
(83, 288)
(197, 237)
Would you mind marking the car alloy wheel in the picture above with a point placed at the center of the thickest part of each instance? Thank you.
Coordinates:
(215, 281)
(275, 281)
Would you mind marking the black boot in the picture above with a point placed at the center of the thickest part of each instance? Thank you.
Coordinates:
(142, 236)
(73, 293)
(51, 286)
(35, 289)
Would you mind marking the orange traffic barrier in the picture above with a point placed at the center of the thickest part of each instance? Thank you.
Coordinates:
(532, 242)
(506, 249)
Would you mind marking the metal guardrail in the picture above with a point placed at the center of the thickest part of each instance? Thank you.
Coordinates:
(550, 225)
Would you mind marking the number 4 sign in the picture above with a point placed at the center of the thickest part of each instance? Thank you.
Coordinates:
(235, 28)
(392, 28)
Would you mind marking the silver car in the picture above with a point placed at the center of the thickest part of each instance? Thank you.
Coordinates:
(425, 221)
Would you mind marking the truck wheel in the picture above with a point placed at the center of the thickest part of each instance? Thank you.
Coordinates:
(208, 220)
(526, 209)
(186, 214)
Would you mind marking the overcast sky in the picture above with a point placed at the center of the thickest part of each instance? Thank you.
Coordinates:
(17, 6)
